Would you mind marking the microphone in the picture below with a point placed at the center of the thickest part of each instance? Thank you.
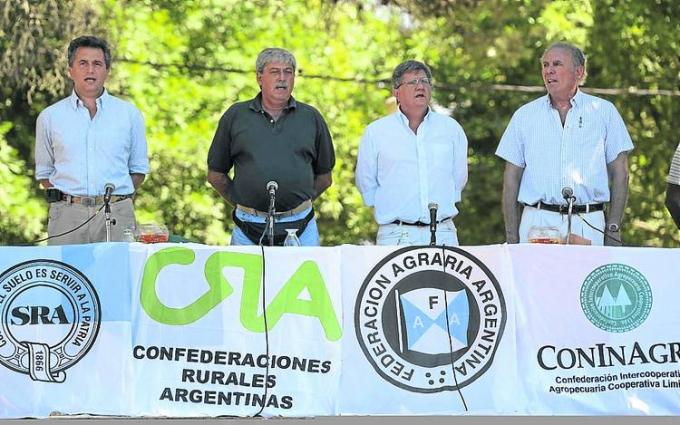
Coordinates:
(568, 193)
(272, 187)
(433, 222)
(108, 191)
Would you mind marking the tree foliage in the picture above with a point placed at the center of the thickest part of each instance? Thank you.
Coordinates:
(33, 39)
(184, 62)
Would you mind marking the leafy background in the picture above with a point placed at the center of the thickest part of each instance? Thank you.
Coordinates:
(184, 62)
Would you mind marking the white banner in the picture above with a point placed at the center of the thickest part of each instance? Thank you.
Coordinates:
(199, 345)
(474, 369)
(178, 330)
(600, 329)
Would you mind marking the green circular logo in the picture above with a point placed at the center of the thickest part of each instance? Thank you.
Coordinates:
(616, 298)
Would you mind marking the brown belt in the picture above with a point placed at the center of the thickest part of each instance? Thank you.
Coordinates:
(90, 201)
(300, 208)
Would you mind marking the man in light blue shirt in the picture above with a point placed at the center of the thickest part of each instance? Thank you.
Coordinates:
(410, 160)
(565, 142)
(85, 143)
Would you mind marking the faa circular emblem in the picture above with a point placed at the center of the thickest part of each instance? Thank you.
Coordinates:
(616, 298)
(50, 316)
(430, 319)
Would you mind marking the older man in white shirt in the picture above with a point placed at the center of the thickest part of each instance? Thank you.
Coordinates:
(411, 159)
(566, 141)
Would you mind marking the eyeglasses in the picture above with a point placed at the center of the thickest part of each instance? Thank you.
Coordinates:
(414, 82)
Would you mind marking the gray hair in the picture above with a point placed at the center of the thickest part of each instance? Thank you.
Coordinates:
(409, 66)
(577, 56)
(274, 54)
(89, 41)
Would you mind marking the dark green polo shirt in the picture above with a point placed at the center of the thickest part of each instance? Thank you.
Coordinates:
(291, 151)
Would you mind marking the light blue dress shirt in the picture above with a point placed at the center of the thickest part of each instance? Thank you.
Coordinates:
(574, 155)
(79, 155)
(400, 172)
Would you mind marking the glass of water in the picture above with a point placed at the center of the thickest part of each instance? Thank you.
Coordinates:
(291, 238)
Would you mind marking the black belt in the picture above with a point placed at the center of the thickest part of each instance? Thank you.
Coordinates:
(564, 209)
(418, 223)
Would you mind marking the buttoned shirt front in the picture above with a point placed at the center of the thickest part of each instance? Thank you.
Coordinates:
(574, 155)
(79, 155)
(291, 150)
(400, 172)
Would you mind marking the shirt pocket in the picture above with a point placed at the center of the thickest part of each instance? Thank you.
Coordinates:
(440, 155)
(590, 135)
(115, 143)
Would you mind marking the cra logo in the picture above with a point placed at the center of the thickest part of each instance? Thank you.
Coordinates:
(429, 319)
(49, 318)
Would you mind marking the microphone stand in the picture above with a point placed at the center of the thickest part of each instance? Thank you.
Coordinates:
(433, 233)
(570, 206)
(107, 218)
(433, 223)
(270, 217)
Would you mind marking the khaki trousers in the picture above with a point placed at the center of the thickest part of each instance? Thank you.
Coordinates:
(64, 217)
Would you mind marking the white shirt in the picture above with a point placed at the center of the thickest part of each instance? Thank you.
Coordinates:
(400, 172)
(674, 172)
(576, 155)
(79, 155)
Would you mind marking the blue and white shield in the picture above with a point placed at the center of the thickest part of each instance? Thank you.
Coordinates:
(425, 316)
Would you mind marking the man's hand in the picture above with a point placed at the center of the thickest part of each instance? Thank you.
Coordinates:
(137, 179)
(511, 208)
(222, 184)
(321, 183)
(617, 170)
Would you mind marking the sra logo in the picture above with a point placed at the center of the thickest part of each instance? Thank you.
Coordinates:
(38, 315)
(49, 317)
(430, 319)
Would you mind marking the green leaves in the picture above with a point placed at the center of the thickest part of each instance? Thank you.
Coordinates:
(20, 212)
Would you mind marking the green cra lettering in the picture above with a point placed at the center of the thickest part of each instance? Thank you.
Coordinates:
(306, 277)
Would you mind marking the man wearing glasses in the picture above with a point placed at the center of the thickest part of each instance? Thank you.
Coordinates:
(410, 160)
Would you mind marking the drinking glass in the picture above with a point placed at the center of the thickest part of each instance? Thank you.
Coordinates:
(544, 234)
(291, 238)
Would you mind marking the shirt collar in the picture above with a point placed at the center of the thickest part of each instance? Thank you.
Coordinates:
(575, 101)
(75, 100)
(404, 119)
(256, 103)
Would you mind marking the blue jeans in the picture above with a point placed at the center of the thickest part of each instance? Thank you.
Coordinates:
(310, 237)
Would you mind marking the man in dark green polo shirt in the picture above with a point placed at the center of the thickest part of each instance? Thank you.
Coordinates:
(272, 138)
